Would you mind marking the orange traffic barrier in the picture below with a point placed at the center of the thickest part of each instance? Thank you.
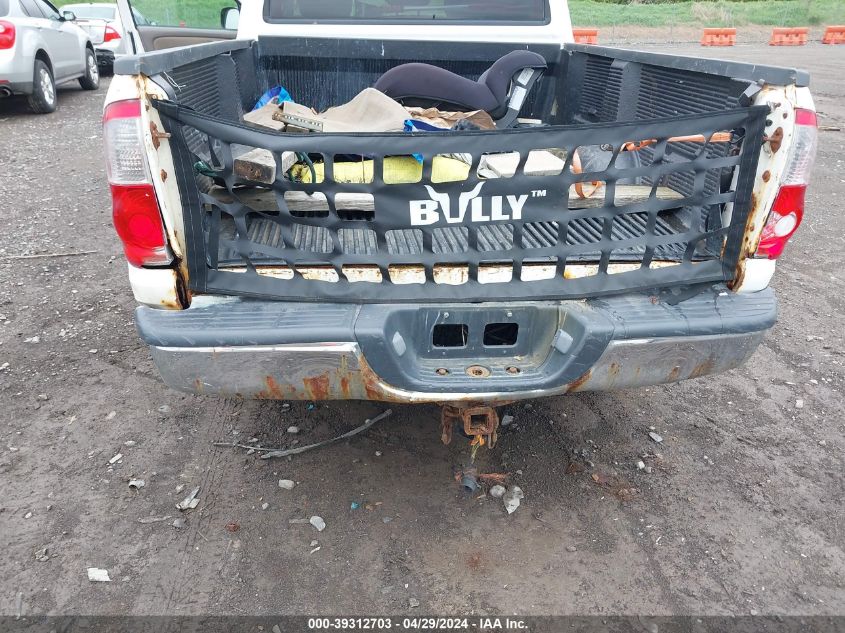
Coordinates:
(586, 36)
(719, 37)
(789, 36)
(834, 35)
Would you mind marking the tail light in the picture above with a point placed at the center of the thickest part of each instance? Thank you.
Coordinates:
(110, 34)
(135, 211)
(7, 35)
(788, 207)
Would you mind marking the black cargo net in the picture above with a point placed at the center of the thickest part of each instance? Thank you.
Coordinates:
(533, 213)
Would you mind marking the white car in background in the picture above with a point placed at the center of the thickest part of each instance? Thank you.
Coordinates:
(102, 22)
(40, 48)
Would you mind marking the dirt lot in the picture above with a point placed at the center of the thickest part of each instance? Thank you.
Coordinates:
(743, 513)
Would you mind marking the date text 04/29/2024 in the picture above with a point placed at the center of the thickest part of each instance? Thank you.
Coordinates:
(421, 623)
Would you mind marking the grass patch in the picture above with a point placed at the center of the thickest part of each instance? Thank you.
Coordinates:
(721, 13)
(206, 13)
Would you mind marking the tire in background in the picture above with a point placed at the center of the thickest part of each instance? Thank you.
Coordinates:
(91, 79)
(43, 97)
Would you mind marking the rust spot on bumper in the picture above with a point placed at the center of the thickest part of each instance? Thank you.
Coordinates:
(576, 384)
(344, 387)
(372, 384)
(703, 368)
(318, 387)
(273, 391)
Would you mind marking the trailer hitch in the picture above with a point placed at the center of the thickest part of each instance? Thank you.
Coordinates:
(479, 422)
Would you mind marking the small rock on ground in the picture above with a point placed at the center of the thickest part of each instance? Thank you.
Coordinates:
(98, 575)
(511, 499)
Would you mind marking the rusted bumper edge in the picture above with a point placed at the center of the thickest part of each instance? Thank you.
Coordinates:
(338, 371)
(692, 343)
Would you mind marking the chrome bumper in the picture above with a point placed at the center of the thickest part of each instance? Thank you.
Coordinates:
(339, 371)
(318, 351)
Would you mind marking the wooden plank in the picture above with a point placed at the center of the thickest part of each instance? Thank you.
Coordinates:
(265, 117)
(259, 165)
(539, 163)
(451, 274)
(301, 201)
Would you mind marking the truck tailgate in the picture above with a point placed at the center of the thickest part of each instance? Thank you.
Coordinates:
(523, 237)
(675, 181)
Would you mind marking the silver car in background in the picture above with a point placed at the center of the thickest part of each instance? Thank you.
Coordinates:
(41, 48)
(102, 22)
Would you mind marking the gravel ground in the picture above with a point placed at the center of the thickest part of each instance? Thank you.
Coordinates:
(741, 513)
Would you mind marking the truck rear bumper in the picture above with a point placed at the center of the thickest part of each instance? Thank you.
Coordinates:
(276, 350)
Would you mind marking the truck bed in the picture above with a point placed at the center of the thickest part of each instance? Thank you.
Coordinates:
(671, 213)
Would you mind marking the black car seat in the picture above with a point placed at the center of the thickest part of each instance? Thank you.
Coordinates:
(500, 90)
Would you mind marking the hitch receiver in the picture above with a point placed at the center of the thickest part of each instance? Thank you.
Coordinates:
(476, 420)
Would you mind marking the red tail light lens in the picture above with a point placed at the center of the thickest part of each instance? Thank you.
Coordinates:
(135, 211)
(138, 224)
(784, 218)
(110, 35)
(788, 207)
(7, 35)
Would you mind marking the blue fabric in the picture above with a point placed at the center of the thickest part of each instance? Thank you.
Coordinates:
(278, 91)
(412, 125)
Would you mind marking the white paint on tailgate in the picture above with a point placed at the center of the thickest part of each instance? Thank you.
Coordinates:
(758, 274)
(155, 287)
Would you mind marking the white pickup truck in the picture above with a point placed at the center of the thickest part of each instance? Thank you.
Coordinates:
(641, 254)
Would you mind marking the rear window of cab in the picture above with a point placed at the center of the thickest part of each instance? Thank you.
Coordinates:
(424, 11)
(87, 12)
